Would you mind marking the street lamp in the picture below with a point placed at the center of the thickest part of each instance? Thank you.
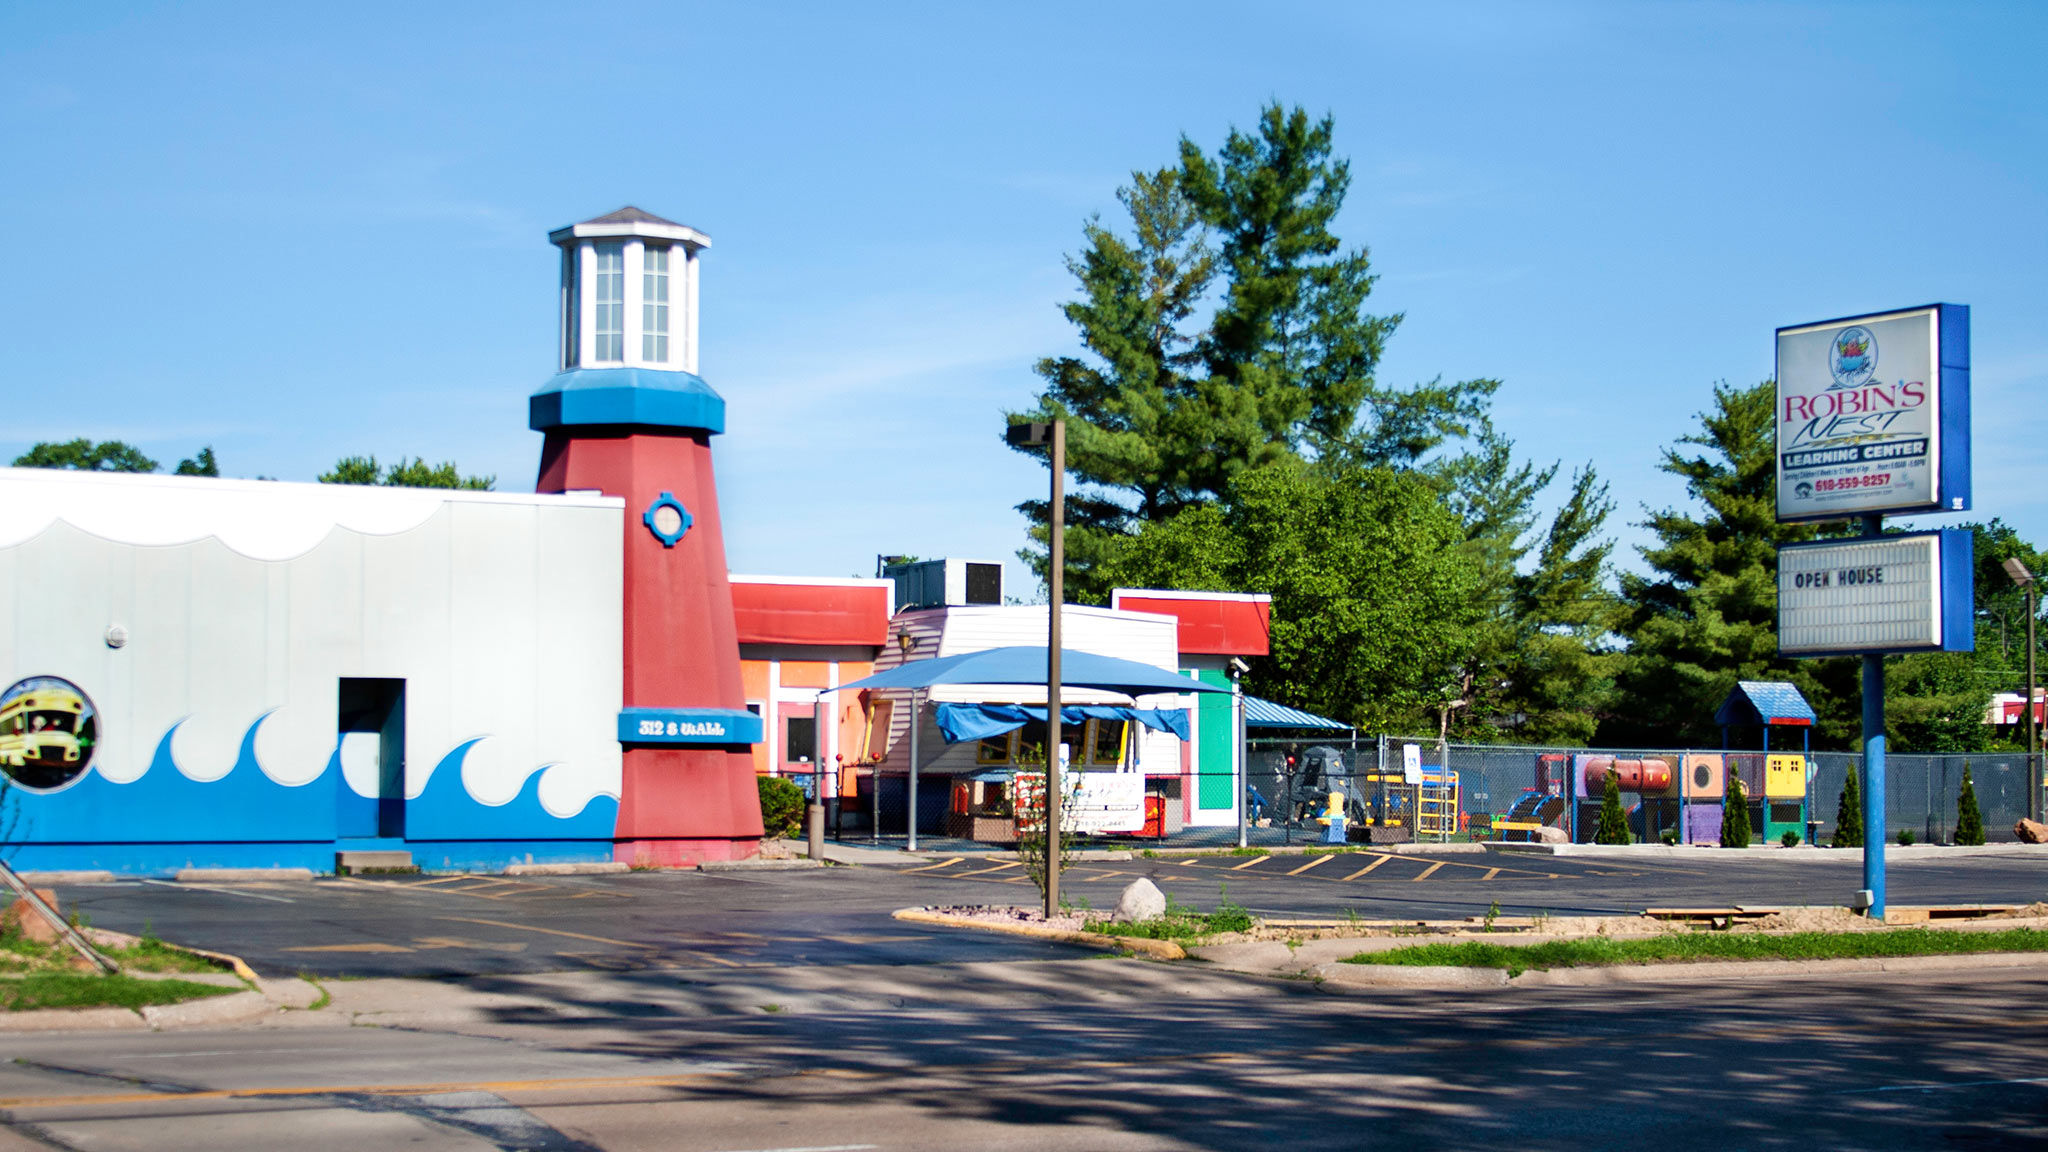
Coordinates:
(1053, 435)
(2025, 579)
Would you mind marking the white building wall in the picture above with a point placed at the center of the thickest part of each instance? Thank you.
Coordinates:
(500, 611)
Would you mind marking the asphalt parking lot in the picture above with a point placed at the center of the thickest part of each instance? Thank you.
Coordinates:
(474, 925)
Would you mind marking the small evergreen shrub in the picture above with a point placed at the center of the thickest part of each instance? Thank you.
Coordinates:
(1790, 839)
(782, 807)
(1905, 837)
(1849, 815)
(1969, 817)
(1613, 825)
(1734, 813)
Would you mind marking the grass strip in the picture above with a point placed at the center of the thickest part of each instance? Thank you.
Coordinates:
(1599, 951)
(89, 990)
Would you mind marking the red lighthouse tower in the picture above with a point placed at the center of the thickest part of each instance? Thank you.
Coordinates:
(628, 415)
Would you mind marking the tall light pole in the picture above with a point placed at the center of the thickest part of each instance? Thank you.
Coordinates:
(1053, 435)
(2025, 579)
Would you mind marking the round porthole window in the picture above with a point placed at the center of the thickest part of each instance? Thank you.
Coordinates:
(48, 729)
(667, 519)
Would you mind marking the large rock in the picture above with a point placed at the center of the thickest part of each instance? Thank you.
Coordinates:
(1548, 835)
(2031, 831)
(1142, 900)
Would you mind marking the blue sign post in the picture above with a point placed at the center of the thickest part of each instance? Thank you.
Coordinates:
(1873, 416)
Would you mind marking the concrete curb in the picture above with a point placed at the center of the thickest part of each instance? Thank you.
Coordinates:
(76, 876)
(1080, 856)
(1453, 848)
(592, 868)
(217, 875)
(1707, 972)
(231, 1009)
(1156, 949)
(758, 865)
(70, 1020)
(1893, 853)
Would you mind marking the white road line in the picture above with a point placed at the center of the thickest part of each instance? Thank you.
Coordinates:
(814, 1148)
(227, 891)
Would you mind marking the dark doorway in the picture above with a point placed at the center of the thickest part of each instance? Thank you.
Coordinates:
(375, 708)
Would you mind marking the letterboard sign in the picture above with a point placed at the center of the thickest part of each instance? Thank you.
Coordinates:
(1905, 593)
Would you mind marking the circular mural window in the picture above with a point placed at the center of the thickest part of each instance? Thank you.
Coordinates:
(48, 729)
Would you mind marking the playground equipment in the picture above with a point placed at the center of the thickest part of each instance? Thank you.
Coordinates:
(1674, 793)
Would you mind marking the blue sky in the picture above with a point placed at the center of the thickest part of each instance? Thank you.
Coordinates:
(299, 232)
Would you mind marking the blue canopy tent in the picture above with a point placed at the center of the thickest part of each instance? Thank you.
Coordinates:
(1026, 664)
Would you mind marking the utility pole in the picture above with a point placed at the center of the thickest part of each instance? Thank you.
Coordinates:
(1056, 587)
(2017, 569)
(1054, 437)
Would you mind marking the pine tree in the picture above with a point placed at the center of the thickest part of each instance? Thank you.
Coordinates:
(1707, 616)
(1173, 398)
(1613, 826)
(1734, 814)
(1969, 818)
(1849, 815)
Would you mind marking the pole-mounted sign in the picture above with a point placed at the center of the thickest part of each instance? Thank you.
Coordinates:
(1873, 417)
(1874, 414)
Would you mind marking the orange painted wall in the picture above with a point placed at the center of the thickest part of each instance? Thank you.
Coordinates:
(806, 673)
(754, 684)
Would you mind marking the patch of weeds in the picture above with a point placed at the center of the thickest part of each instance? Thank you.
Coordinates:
(149, 954)
(1333, 850)
(91, 990)
(1492, 914)
(1599, 951)
(771, 1007)
(1243, 852)
(1181, 922)
(321, 1001)
(1148, 854)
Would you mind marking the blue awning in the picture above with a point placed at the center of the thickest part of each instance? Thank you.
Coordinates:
(1266, 714)
(960, 722)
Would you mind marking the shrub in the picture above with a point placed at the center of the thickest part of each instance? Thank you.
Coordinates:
(1734, 813)
(1790, 839)
(782, 806)
(1613, 826)
(1969, 817)
(1849, 815)
(1905, 837)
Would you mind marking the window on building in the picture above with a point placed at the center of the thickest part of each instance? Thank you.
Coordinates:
(1106, 742)
(609, 323)
(993, 750)
(800, 739)
(654, 304)
(572, 333)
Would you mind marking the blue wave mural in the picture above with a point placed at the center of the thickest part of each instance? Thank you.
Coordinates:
(444, 810)
(165, 806)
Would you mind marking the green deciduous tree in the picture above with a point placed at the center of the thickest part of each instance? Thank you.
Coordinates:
(85, 456)
(1849, 813)
(1706, 616)
(414, 473)
(200, 465)
(1734, 814)
(1969, 817)
(1371, 596)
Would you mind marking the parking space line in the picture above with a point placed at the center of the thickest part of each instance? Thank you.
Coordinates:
(1248, 863)
(1490, 873)
(1311, 864)
(1191, 861)
(1430, 871)
(934, 867)
(1377, 861)
(1004, 866)
(552, 932)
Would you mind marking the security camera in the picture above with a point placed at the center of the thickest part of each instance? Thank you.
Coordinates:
(1238, 666)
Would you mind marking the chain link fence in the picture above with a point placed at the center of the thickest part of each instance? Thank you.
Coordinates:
(1439, 792)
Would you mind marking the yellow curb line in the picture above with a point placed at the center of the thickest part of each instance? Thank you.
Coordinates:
(1156, 949)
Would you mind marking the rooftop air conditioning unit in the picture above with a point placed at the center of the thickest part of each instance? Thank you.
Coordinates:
(945, 583)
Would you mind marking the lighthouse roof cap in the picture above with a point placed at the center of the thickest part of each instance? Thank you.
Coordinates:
(630, 221)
